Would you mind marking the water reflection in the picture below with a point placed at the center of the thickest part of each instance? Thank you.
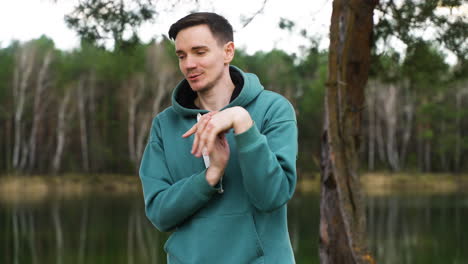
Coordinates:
(96, 229)
(419, 229)
(113, 229)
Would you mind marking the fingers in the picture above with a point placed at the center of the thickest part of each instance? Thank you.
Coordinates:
(190, 131)
(196, 147)
(205, 135)
(193, 129)
(210, 141)
(216, 138)
(224, 139)
(207, 139)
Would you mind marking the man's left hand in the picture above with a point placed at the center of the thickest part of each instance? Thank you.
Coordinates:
(216, 123)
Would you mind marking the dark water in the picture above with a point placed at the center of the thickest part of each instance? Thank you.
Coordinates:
(113, 229)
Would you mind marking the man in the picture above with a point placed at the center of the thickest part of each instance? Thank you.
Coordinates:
(220, 183)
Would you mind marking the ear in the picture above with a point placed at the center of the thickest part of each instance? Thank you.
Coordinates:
(229, 50)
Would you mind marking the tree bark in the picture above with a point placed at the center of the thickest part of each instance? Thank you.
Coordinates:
(388, 101)
(64, 115)
(23, 70)
(39, 107)
(342, 214)
(83, 126)
(135, 95)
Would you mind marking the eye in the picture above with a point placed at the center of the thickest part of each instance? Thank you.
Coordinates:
(201, 52)
(180, 57)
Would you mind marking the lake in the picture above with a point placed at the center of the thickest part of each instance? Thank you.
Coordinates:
(403, 228)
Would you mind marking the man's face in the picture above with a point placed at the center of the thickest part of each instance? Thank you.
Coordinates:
(202, 59)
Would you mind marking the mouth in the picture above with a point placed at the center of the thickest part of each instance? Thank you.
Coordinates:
(193, 76)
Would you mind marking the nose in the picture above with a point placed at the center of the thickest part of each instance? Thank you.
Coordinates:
(189, 63)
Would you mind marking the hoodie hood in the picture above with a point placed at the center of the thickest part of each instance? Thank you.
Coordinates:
(250, 90)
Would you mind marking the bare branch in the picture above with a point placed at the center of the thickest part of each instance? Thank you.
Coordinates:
(259, 11)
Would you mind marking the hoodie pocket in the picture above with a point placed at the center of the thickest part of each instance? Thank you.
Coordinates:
(219, 239)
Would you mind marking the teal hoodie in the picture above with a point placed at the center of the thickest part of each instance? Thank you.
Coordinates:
(247, 223)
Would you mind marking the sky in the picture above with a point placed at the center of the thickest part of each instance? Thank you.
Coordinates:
(28, 19)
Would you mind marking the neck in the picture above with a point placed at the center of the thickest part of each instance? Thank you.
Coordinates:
(218, 96)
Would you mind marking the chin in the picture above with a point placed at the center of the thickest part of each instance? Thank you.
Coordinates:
(196, 87)
(199, 87)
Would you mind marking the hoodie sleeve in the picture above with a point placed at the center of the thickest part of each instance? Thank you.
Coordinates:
(169, 203)
(268, 158)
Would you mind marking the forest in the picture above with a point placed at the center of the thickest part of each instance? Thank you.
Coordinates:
(89, 110)
(387, 100)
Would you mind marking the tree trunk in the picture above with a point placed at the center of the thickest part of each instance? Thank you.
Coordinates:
(408, 124)
(342, 214)
(93, 125)
(135, 95)
(389, 97)
(23, 70)
(371, 127)
(39, 108)
(162, 90)
(64, 115)
(83, 127)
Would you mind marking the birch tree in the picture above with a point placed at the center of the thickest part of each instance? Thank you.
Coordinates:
(65, 112)
(43, 83)
(82, 114)
(21, 85)
(156, 85)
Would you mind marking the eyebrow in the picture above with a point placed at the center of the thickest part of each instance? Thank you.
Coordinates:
(193, 49)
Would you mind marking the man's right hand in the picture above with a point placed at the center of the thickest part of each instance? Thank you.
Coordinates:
(219, 159)
(219, 155)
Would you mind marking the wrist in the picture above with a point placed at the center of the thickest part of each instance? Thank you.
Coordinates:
(213, 175)
(242, 121)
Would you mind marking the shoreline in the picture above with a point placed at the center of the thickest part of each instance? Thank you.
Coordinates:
(18, 188)
(384, 183)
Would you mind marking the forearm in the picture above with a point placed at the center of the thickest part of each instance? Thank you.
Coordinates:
(268, 166)
(169, 206)
(167, 202)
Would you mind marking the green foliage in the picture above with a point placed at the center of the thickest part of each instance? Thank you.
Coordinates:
(6, 77)
(98, 20)
(387, 66)
(286, 24)
(408, 18)
(425, 66)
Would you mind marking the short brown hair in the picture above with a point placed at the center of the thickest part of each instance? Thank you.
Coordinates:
(218, 25)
